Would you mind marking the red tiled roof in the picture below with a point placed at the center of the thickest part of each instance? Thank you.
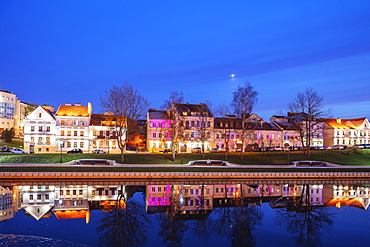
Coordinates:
(71, 214)
(73, 111)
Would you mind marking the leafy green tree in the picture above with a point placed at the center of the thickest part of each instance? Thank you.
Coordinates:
(8, 135)
(29, 108)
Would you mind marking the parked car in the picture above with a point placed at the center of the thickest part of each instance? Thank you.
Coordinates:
(167, 150)
(75, 151)
(359, 146)
(98, 151)
(317, 148)
(337, 147)
(196, 150)
(327, 147)
(18, 151)
(277, 149)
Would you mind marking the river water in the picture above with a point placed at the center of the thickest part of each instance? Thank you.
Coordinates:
(186, 213)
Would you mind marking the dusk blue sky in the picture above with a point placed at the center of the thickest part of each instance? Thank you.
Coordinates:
(56, 52)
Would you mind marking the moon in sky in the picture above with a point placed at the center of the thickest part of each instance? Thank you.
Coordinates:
(232, 75)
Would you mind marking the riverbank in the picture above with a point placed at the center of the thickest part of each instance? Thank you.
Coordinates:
(346, 157)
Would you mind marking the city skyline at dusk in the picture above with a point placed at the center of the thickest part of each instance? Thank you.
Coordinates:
(71, 52)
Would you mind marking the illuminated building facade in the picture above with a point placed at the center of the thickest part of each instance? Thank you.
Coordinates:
(158, 130)
(38, 200)
(102, 133)
(195, 128)
(257, 133)
(290, 133)
(72, 126)
(40, 130)
(11, 112)
(6, 203)
(347, 132)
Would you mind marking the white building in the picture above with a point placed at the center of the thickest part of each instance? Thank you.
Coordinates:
(39, 131)
(38, 200)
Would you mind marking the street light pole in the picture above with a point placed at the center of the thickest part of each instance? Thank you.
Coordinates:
(61, 151)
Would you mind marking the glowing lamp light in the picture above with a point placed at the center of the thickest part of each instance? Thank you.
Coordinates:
(232, 75)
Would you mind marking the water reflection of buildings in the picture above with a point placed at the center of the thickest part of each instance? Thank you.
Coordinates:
(70, 201)
(179, 201)
(197, 201)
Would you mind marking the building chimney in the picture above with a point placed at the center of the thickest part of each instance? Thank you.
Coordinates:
(89, 108)
(339, 120)
(77, 104)
(68, 104)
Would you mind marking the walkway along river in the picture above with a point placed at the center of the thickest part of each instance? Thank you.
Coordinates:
(223, 174)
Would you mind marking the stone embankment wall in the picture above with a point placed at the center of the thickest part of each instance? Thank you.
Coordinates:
(180, 175)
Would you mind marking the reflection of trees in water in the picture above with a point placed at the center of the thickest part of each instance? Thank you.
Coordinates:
(172, 232)
(202, 228)
(237, 224)
(305, 221)
(124, 227)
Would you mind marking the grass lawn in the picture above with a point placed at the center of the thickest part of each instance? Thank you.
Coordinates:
(251, 158)
(16, 143)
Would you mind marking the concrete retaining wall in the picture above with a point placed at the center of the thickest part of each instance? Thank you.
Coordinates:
(182, 175)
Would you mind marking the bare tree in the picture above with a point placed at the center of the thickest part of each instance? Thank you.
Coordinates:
(307, 113)
(127, 106)
(175, 128)
(124, 227)
(243, 102)
(203, 126)
(224, 111)
(175, 97)
(306, 222)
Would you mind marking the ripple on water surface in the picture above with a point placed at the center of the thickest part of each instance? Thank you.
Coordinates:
(12, 240)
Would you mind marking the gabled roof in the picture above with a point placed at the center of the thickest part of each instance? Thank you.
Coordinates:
(38, 211)
(157, 114)
(39, 109)
(345, 123)
(71, 214)
(230, 120)
(72, 111)
(285, 125)
(47, 110)
(193, 108)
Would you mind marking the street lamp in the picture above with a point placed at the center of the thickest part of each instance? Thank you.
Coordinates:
(61, 150)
